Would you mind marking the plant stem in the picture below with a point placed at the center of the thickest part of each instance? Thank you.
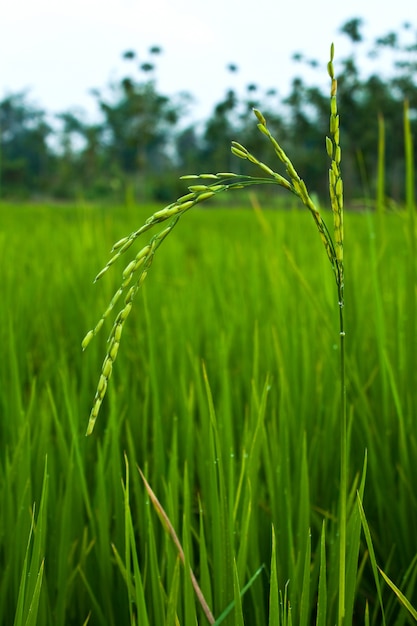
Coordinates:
(343, 462)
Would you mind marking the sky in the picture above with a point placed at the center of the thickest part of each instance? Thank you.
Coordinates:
(59, 51)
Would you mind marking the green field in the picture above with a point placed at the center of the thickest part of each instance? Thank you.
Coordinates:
(226, 394)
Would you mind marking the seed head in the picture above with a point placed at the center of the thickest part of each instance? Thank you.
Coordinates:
(329, 147)
(113, 350)
(260, 117)
(87, 339)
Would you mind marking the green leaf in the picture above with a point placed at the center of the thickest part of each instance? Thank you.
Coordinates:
(404, 601)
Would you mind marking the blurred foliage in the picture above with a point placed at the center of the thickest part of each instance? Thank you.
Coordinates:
(143, 140)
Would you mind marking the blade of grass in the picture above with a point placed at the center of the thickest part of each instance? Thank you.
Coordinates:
(32, 617)
(353, 546)
(133, 582)
(305, 589)
(189, 603)
(32, 574)
(274, 613)
(322, 591)
(136, 594)
(380, 190)
(205, 580)
(171, 617)
(246, 588)
(371, 556)
(127, 538)
(404, 601)
(237, 598)
(221, 516)
(19, 620)
(171, 531)
(367, 614)
(97, 610)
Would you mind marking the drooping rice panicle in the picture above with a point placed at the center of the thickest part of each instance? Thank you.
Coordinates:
(137, 269)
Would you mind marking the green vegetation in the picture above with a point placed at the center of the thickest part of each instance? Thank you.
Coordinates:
(279, 464)
(242, 293)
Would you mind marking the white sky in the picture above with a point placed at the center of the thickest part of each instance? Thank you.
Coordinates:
(61, 49)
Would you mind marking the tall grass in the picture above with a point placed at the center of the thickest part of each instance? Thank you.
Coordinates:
(227, 396)
(252, 476)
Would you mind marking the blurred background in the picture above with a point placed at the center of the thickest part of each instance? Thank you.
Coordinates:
(117, 99)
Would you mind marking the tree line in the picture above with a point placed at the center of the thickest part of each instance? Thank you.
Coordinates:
(141, 142)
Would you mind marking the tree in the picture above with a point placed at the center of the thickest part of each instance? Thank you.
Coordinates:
(362, 100)
(25, 156)
(81, 161)
(139, 123)
(142, 141)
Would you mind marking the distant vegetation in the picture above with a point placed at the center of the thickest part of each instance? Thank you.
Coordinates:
(140, 143)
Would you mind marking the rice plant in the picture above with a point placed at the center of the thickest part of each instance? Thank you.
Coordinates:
(227, 397)
(210, 185)
(135, 273)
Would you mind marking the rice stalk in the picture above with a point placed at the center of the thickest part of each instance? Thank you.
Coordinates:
(380, 190)
(211, 185)
(136, 271)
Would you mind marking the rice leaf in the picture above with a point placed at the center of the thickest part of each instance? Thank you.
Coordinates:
(274, 613)
(404, 601)
(322, 591)
(371, 556)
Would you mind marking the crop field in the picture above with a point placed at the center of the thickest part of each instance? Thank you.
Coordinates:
(226, 396)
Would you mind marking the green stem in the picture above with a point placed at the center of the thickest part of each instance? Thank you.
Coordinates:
(343, 462)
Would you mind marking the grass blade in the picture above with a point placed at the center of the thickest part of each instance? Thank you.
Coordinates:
(171, 618)
(32, 575)
(322, 593)
(242, 592)
(305, 591)
(171, 531)
(32, 616)
(274, 615)
(353, 546)
(371, 555)
(404, 601)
